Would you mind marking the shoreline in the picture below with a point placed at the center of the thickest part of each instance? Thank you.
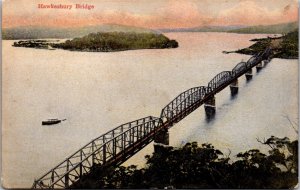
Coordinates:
(284, 47)
(91, 51)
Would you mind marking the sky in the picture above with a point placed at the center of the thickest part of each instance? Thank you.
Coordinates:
(150, 13)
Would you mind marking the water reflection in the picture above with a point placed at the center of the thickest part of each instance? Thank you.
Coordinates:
(209, 118)
(249, 78)
(234, 92)
(233, 95)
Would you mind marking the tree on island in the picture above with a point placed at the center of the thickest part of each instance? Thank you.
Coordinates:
(118, 41)
(105, 42)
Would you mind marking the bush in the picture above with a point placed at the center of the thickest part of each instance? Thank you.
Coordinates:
(194, 166)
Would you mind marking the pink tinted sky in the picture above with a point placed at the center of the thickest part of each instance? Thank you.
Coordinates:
(151, 13)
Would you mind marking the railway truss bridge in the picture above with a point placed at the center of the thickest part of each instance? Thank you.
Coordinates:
(116, 146)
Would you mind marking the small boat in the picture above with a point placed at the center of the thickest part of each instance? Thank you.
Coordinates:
(52, 121)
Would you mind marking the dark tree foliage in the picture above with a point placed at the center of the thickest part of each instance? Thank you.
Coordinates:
(118, 41)
(289, 45)
(194, 166)
(287, 48)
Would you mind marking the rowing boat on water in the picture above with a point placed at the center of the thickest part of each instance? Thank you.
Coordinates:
(52, 121)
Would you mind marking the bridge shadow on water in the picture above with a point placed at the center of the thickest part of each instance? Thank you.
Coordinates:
(210, 118)
(220, 110)
(233, 96)
(248, 80)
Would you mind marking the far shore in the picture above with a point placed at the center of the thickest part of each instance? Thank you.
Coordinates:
(285, 47)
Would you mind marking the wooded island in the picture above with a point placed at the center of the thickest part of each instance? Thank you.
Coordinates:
(106, 42)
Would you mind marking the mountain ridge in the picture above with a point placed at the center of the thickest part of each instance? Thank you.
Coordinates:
(270, 29)
(37, 32)
(203, 29)
(280, 28)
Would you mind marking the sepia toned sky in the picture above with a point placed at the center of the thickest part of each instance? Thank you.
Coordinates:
(150, 13)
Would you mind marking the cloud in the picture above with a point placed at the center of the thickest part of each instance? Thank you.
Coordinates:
(174, 14)
(169, 14)
(251, 13)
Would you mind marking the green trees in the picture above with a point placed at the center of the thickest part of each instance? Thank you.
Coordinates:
(194, 166)
(106, 42)
(117, 41)
(287, 47)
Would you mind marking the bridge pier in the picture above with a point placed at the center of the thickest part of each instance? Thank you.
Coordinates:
(161, 139)
(249, 75)
(266, 62)
(210, 107)
(234, 87)
(259, 66)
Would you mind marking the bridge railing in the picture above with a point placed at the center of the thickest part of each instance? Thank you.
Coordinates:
(239, 68)
(177, 100)
(220, 79)
(98, 151)
(267, 53)
(254, 60)
(251, 61)
(183, 101)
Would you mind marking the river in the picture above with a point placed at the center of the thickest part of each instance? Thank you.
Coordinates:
(96, 92)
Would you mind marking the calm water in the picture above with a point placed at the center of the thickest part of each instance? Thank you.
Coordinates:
(99, 91)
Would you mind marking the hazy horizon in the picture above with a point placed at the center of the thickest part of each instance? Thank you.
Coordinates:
(154, 15)
(111, 24)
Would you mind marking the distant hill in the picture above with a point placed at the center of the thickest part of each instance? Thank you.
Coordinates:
(202, 29)
(268, 29)
(33, 32)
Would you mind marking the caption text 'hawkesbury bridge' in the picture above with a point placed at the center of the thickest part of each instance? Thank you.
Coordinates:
(116, 146)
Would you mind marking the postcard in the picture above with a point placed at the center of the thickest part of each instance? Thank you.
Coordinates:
(138, 94)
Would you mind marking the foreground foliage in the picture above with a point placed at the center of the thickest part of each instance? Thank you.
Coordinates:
(194, 166)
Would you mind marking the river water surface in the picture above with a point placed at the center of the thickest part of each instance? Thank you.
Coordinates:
(96, 92)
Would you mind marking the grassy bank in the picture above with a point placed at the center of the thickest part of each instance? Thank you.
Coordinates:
(283, 47)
